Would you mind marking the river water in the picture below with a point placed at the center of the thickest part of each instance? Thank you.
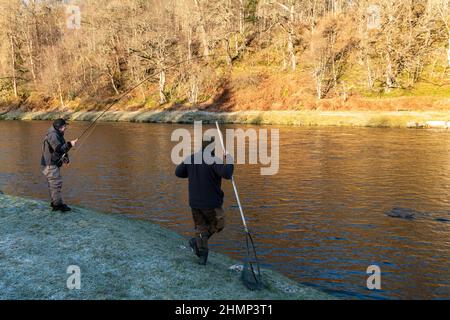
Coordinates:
(343, 199)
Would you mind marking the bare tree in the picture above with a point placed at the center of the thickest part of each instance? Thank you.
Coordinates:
(122, 42)
(331, 46)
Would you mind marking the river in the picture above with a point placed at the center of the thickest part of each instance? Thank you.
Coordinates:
(334, 208)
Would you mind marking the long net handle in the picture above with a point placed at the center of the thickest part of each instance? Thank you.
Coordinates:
(233, 183)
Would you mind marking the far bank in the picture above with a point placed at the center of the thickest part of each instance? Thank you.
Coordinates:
(389, 119)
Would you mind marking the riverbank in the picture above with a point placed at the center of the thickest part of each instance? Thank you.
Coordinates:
(119, 258)
(394, 119)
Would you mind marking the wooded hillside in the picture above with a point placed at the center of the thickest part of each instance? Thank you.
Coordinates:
(225, 54)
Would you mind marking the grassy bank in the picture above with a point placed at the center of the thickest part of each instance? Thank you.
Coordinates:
(119, 258)
(398, 119)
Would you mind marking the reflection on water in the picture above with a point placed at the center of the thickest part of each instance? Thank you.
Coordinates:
(331, 211)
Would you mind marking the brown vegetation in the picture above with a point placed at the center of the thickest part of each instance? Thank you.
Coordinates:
(225, 54)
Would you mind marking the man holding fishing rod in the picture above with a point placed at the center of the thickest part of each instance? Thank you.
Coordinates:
(54, 154)
(205, 194)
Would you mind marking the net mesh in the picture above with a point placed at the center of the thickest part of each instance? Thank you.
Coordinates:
(251, 272)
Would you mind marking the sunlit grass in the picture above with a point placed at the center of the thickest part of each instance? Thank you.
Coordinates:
(400, 119)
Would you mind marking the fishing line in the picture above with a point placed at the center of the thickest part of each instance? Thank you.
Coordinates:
(93, 124)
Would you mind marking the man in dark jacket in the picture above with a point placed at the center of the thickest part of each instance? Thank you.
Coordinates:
(54, 154)
(205, 197)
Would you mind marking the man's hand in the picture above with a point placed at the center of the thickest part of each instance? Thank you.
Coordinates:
(226, 154)
(74, 142)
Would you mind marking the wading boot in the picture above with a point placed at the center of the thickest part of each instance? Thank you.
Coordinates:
(65, 208)
(194, 247)
(203, 257)
(61, 207)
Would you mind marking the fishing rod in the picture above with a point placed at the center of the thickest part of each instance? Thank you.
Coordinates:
(134, 87)
(129, 91)
(253, 281)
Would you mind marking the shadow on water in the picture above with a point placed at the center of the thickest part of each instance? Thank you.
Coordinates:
(343, 199)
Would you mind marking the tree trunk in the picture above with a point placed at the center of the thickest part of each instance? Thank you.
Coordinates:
(370, 81)
(13, 57)
(241, 16)
(318, 72)
(189, 43)
(291, 50)
(389, 82)
(203, 35)
(319, 88)
(229, 58)
(292, 58)
(193, 97)
(113, 84)
(60, 94)
(162, 84)
(448, 51)
(30, 53)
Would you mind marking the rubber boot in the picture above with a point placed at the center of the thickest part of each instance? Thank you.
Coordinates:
(65, 208)
(203, 247)
(61, 207)
(203, 257)
(194, 247)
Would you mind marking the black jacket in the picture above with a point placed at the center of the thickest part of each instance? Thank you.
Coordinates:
(205, 182)
(54, 147)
